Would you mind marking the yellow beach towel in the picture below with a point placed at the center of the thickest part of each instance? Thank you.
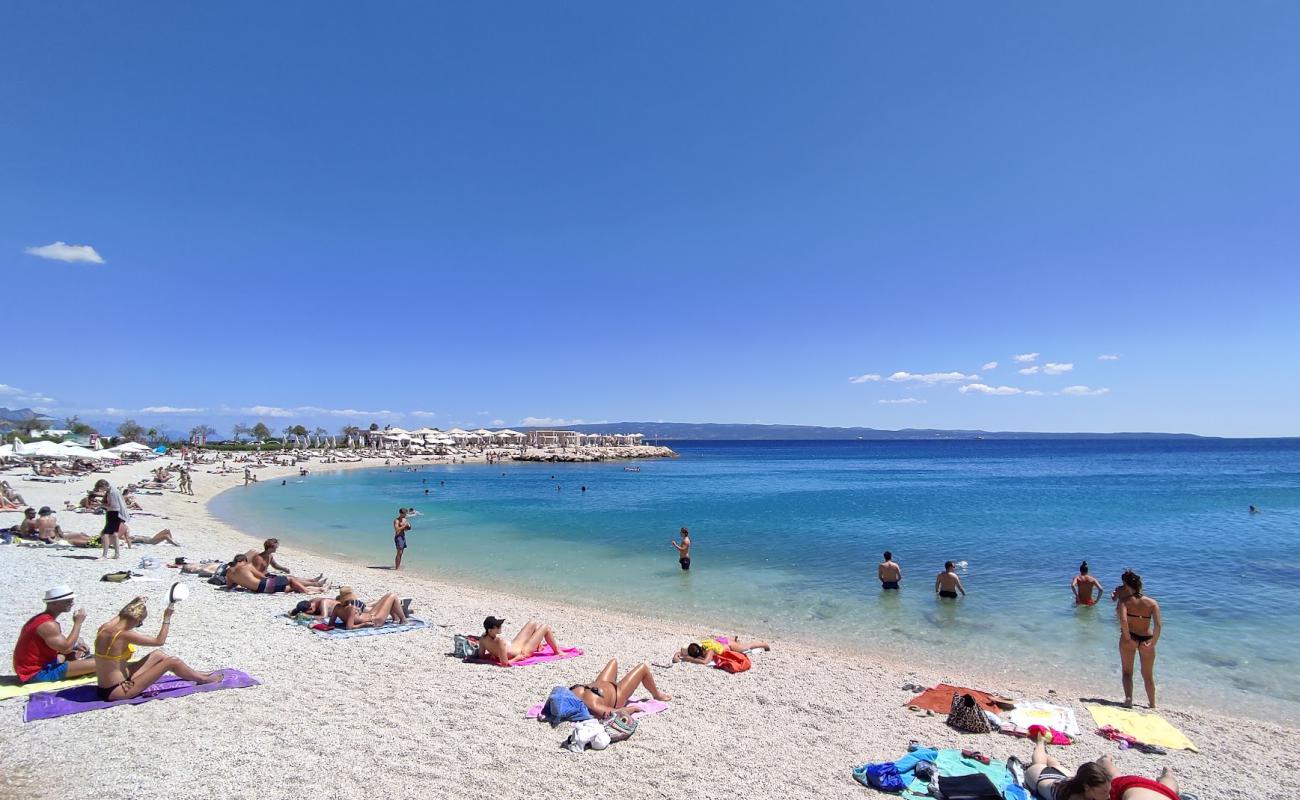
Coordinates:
(1149, 728)
(10, 688)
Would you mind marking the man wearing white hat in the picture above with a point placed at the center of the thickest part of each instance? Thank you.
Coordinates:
(43, 653)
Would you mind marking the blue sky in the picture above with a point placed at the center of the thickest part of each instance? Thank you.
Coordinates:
(687, 212)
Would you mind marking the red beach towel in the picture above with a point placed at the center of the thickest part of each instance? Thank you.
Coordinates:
(939, 699)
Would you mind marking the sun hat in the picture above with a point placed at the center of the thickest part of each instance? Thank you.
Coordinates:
(492, 622)
(179, 592)
(345, 594)
(59, 593)
(45, 511)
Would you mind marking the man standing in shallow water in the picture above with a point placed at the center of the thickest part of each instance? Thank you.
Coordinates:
(947, 583)
(400, 527)
(684, 550)
(889, 572)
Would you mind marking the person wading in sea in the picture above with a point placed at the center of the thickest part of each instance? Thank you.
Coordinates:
(947, 583)
(684, 550)
(889, 572)
(400, 527)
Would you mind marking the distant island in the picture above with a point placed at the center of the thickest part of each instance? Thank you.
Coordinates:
(719, 431)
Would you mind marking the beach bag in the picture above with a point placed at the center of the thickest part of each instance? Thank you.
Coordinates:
(116, 577)
(219, 577)
(620, 727)
(464, 647)
(884, 777)
(968, 787)
(967, 716)
(732, 662)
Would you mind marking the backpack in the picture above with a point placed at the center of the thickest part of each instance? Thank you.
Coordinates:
(967, 716)
(219, 577)
(464, 647)
(733, 662)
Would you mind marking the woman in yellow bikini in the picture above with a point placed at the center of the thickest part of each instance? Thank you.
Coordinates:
(119, 677)
(703, 651)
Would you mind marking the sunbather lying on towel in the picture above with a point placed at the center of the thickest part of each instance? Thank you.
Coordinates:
(1047, 780)
(241, 573)
(608, 694)
(119, 678)
(204, 569)
(350, 612)
(8, 493)
(526, 642)
(703, 651)
(87, 540)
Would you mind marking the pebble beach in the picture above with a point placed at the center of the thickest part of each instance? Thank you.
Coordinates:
(396, 716)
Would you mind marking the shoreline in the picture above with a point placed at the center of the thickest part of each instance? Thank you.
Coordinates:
(800, 719)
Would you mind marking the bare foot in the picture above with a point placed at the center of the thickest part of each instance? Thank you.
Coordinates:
(662, 697)
(1128, 702)
(213, 677)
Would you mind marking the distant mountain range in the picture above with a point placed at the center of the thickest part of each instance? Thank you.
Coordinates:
(664, 431)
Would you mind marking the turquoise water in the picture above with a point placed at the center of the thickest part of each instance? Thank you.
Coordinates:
(786, 537)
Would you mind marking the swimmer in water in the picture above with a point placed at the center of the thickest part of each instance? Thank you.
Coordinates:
(1087, 589)
(1254, 510)
(947, 583)
(889, 572)
(684, 550)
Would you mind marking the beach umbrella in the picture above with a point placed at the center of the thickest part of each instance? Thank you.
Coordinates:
(41, 449)
(76, 451)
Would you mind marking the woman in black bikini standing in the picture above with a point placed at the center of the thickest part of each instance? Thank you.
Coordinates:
(1139, 631)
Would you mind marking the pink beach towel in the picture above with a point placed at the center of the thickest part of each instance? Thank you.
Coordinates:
(644, 708)
(544, 654)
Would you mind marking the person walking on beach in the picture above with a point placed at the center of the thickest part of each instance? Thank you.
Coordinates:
(1087, 589)
(1139, 631)
(116, 517)
(889, 572)
(400, 526)
(684, 550)
(948, 584)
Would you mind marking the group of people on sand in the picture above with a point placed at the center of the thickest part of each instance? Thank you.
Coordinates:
(43, 526)
(44, 653)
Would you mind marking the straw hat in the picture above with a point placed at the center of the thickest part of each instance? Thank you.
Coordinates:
(346, 594)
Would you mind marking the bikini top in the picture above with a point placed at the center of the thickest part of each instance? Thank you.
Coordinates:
(125, 655)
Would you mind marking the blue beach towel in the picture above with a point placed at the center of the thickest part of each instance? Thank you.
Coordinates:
(412, 624)
(563, 706)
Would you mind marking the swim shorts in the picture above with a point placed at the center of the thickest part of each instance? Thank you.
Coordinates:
(400, 541)
(685, 562)
(272, 584)
(948, 594)
(112, 523)
(53, 671)
(889, 584)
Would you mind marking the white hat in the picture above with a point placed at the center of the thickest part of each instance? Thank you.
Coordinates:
(59, 593)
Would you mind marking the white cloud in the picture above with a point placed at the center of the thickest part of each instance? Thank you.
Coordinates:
(902, 401)
(931, 378)
(71, 253)
(990, 365)
(424, 414)
(1028, 371)
(1034, 393)
(864, 378)
(24, 396)
(980, 388)
(1057, 369)
(533, 422)
(498, 422)
(1026, 358)
(484, 413)
(6, 389)
(1083, 391)
(170, 410)
(268, 411)
(1108, 357)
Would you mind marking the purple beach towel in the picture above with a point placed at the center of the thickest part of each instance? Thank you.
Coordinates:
(48, 705)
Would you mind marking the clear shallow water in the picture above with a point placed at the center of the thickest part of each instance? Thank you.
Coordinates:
(786, 536)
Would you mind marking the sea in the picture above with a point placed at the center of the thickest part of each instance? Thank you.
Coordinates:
(786, 536)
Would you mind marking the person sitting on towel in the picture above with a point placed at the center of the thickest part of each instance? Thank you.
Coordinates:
(350, 612)
(703, 651)
(27, 528)
(264, 560)
(609, 695)
(119, 678)
(525, 643)
(43, 653)
(241, 573)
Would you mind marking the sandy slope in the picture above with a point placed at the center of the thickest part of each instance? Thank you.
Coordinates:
(393, 716)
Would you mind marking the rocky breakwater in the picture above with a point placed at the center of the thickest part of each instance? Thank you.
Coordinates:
(576, 454)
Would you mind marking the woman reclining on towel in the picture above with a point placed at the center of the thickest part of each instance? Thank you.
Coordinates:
(86, 540)
(609, 695)
(703, 651)
(121, 679)
(525, 644)
(349, 612)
